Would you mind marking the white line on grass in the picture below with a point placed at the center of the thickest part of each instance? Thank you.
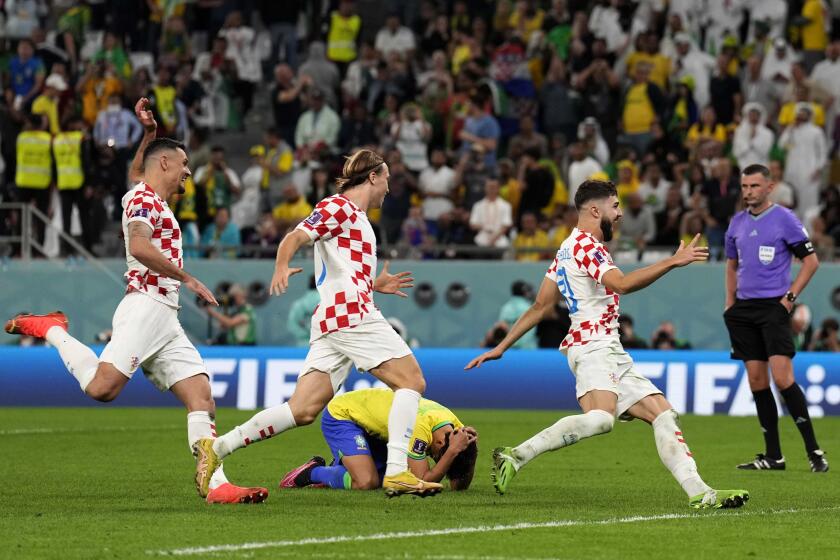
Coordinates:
(49, 431)
(466, 530)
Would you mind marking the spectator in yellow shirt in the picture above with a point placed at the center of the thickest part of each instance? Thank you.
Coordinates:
(647, 50)
(787, 114)
(46, 104)
(707, 129)
(530, 237)
(814, 37)
(292, 210)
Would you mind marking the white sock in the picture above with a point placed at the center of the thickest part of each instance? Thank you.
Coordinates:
(675, 454)
(78, 358)
(201, 425)
(566, 431)
(262, 425)
(401, 421)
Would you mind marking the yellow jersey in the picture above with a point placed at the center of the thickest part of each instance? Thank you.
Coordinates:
(45, 105)
(292, 212)
(369, 409)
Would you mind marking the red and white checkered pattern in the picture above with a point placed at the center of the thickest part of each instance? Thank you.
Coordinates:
(142, 204)
(577, 270)
(345, 264)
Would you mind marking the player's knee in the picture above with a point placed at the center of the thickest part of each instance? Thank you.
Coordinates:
(305, 415)
(366, 481)
(600, 421)
(102, 392)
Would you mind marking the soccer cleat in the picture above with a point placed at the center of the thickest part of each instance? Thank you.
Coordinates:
(301, 477)
(504, 468)
(227, 493)
(206, 463)
(763, 463)
(407, 483)
(818, 461)
(28, 324)
(719, 499)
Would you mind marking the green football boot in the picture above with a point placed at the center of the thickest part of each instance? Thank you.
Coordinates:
(719, 499)
(504, 468)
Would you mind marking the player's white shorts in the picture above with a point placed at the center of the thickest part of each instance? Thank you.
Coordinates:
(147, 333)
(368, 344)
(604, 365)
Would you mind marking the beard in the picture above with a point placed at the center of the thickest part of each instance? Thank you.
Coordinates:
(606, 229)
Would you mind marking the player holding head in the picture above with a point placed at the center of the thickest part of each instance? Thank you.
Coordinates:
(760, 242)
(606, 383)
(146, 330)
(355, 426)
(347, 328)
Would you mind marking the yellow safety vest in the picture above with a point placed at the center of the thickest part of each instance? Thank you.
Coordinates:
(67, 149)
(34, 160)
(341, 39)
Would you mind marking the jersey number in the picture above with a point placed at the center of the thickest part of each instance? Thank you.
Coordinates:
(566, 290)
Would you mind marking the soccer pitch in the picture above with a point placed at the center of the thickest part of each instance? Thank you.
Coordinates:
(112, 482)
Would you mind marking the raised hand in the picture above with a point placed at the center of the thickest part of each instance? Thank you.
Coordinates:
(490, 355)
(280, 280)
(145, 115)
(387, 283)
(691, 253)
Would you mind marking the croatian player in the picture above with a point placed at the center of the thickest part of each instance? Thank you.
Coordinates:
(606, 385)
(146, 330)
(347, 328)
(355, 426)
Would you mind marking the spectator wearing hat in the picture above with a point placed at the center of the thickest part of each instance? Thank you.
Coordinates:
(807, 154)
(691, 61)
(777, 66)
(46, 104)
(581, 167)
(589, 134)
(752, 140)
(245, 212)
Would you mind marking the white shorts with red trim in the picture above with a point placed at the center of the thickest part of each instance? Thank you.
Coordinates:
(147, 333)
(367, 345)
(603, 365)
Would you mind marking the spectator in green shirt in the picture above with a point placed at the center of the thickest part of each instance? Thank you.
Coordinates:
(300, 315)
(239, 319)
(522, 293)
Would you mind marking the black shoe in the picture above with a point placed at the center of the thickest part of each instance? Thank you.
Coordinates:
(301, 477)
(764, 463)
(818, 461)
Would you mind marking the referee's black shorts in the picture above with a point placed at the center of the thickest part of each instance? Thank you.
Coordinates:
(759, 328)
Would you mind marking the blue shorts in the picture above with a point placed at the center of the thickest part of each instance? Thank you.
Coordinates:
(346, 439)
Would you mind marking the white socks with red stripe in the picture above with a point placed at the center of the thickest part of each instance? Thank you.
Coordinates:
(201, 425)
(78, 358)
(262, 425)
(567, 431)
(401, 421)
(675, 454)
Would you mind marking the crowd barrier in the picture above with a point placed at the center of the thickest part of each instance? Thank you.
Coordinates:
(249, 378)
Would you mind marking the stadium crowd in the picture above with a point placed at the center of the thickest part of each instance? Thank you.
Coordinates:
(490, 113)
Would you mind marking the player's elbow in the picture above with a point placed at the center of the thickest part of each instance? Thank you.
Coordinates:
(618, 288)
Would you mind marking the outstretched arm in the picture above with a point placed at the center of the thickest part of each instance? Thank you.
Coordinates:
(546, 299)
(147, 119)
(620, 283)
(293, 241)
(141, 248)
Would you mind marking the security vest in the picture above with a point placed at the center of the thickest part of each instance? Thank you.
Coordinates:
(34, 160)
(67, 149)
(341, 39)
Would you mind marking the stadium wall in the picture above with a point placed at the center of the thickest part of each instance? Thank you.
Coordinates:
(256, 377)
(692, 297)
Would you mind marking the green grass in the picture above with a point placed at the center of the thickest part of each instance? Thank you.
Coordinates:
(117, 483)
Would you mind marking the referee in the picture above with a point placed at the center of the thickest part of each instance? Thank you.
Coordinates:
(760, 242)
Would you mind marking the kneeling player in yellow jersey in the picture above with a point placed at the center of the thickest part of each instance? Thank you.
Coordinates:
(355, 426)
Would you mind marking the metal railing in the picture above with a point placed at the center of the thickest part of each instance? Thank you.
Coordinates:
(29, 215)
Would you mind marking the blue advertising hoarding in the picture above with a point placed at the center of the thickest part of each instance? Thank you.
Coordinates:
(256, 377)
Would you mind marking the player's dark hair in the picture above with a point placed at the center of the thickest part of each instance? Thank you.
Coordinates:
(756, 168)
(463, 466)
(358, 168)
(217, 148)
(592, 189)
(161, 145)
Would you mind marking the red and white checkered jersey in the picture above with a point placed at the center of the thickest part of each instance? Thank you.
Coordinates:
(577, 270)
(142, 204)
(345, 264)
